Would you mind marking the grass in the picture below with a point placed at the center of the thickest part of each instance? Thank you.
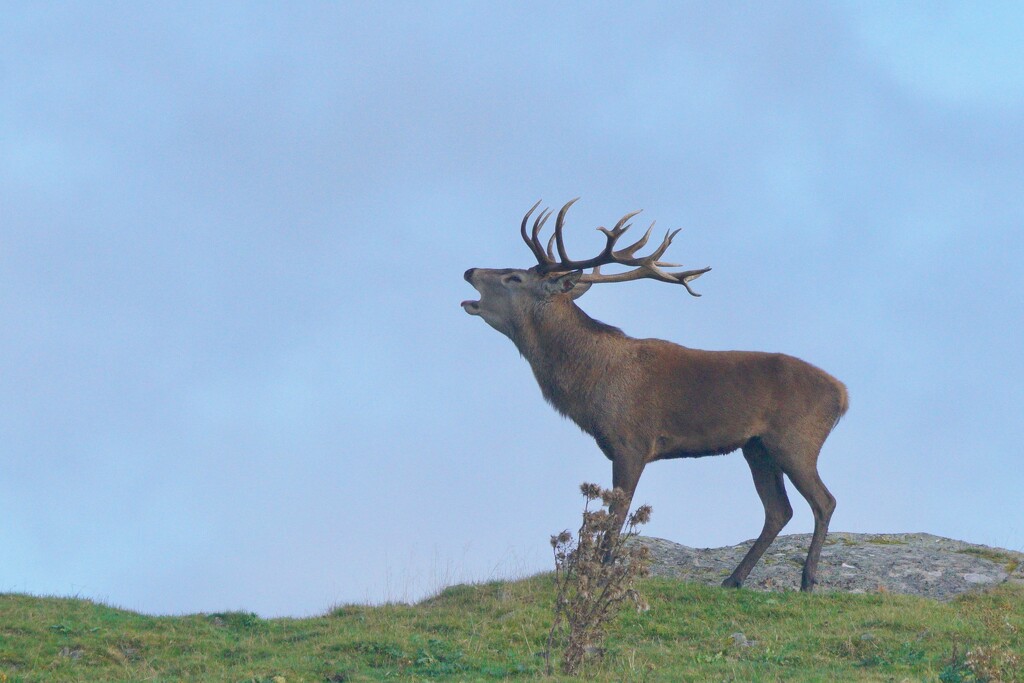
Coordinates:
(497, 630)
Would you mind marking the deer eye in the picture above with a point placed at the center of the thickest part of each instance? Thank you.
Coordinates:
(513, 278)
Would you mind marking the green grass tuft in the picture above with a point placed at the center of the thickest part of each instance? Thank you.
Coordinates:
(883, 540)
(497, 630)
(1009, 562)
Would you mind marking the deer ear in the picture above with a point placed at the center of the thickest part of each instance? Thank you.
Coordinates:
(563, 283)
(581, 289)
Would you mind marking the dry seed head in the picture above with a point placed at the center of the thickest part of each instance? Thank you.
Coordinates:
(561, 539)
(642, 515)
(612, 497)
(595, 518)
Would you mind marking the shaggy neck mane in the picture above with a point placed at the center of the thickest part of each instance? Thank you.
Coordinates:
(569, 353)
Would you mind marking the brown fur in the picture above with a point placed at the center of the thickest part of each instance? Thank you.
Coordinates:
(646, 399)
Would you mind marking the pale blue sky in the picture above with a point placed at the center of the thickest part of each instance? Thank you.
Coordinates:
(234, 373)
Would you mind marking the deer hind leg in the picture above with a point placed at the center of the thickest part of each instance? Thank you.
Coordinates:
(799, 461)
(777, 510)
(823, 504)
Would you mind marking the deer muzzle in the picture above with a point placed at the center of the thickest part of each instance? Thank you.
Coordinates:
(470, 306)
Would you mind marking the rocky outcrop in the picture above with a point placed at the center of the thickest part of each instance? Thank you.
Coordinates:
(913, 564)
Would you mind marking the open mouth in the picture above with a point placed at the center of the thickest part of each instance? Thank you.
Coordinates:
(471, 307)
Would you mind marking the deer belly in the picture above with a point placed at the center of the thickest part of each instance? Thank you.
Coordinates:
(668, 447)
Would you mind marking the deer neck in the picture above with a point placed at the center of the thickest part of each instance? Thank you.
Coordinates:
(571, 355)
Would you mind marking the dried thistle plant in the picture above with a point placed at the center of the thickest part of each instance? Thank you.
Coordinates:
(595, 575)
(993, 663)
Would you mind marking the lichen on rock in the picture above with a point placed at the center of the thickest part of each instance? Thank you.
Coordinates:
(912, 564)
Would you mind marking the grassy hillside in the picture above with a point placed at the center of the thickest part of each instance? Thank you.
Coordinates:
(496, 631)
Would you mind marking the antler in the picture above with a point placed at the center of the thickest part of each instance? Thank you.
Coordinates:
(643, 267)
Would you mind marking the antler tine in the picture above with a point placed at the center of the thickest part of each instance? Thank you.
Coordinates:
(684, 278)
(559, 222)
(538, 224)
(625, 256)
(619, 229)
(627, 252)
(526, 218)
(669, 236)
(544, 260)
(532, 244)
(648, 271)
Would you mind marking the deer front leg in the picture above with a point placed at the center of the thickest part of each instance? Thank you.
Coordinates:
(625, 476)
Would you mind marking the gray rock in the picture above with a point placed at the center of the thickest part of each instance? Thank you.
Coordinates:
(974, 577)
(740, 640)
(913, 564)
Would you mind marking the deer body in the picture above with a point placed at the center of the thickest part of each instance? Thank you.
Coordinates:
(647, 399)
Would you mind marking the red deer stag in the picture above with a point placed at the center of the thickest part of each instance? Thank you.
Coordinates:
(646, 399)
